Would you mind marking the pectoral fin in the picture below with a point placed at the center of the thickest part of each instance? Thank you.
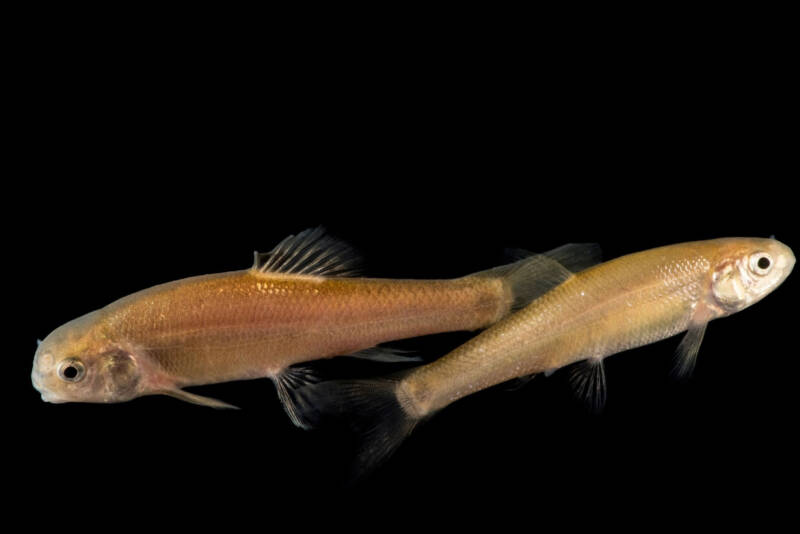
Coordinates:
(686, 354)
(197, 399)
(386, 355)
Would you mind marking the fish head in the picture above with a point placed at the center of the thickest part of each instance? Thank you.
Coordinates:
(76, 363)
(747, 270)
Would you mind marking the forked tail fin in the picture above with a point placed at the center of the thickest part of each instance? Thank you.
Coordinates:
(533, 275)
(294, 383)
(372, 409)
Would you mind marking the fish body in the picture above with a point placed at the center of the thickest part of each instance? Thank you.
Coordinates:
(294, 305)
(618, 305)
(249, 324)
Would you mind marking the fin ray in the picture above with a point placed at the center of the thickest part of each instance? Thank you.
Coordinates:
(530, 278)
(386, 355)
(533, 275)
(290, 385)
(686, 353)
(372, 409)
(588, 379)
(193, 398)
(574, 256)
(311, 252)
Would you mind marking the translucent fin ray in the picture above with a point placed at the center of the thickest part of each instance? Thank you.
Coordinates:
(373, 411)
(529, 278)
(290, 384)
(588, 380)
(311, 252)
(533, 275)
(686, 353)
(386, 355)
(197, 399)
(573, 256)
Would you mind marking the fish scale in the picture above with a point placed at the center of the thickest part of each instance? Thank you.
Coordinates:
(301, 302)
(199, 343)
(587, 315)
(621, 304)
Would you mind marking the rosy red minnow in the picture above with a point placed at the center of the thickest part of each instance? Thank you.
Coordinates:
(294, 305)
(624, 303)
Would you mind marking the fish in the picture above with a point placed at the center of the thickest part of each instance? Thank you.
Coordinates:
(580, 318)
(300, 302)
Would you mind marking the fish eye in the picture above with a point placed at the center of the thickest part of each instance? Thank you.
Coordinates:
(760, 263)
(71, 370)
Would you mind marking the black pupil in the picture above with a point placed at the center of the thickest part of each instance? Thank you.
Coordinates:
(763, 263)
(70, 372)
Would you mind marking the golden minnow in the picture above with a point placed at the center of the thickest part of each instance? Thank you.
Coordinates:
(294, 305)
(611, 307)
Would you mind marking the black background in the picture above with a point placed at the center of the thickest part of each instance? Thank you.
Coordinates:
(142, 166)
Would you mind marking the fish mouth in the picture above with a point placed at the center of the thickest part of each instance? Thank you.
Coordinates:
(46, 395)
(36, 384)
(52, 400)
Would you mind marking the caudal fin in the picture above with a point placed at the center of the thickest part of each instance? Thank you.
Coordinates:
(372, 409)
(294, 383)
(535, 274)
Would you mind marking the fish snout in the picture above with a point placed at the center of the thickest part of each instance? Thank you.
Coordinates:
(47, 395)
(786, 259)
(37, 384)
(43, 364)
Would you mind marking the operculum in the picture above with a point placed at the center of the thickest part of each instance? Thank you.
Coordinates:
(122, 376)
(728, 288)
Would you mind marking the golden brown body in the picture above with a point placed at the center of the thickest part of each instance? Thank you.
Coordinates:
(614, 306)
(249, 324)
(294, 305)
(624, 303)
(620, 304)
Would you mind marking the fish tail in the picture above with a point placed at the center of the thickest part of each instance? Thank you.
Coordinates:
(533, 275)
(373, 409)
(295, 384)
(524, 281)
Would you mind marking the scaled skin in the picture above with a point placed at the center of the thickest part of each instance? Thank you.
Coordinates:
(247, 324)
(615, 306)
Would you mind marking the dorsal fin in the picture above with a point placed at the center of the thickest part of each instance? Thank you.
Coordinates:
(574, 256)
(311, 252)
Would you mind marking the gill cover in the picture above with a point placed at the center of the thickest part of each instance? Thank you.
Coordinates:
(749, 275)
(120, 376)
(729, 285)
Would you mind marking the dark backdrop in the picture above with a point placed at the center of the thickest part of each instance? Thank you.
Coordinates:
(138, 176)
